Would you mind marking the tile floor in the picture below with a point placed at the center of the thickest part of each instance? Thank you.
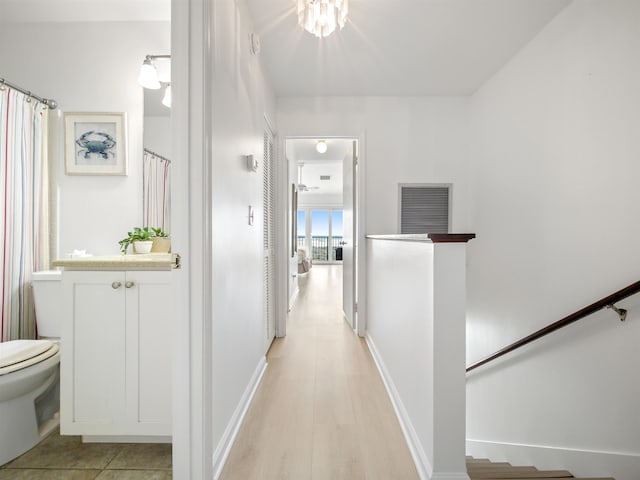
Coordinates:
(67, 458)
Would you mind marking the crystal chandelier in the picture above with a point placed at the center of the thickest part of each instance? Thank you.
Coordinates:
(321, 17)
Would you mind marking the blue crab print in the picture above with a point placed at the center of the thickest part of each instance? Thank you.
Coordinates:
(95, 142)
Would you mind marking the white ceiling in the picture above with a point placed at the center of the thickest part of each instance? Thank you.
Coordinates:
(303, 151)
(397, 47)
(388, 47)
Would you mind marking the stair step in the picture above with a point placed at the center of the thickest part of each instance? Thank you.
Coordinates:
(502, 472)
(500, 467)
(509, 474)
(485, 469)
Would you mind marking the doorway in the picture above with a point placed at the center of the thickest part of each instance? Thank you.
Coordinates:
(323, 213)
(320, 233)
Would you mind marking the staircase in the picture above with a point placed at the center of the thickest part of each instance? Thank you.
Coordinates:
(483, 469)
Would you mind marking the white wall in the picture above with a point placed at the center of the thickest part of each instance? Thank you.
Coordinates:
(88, 67)
(418, 344)
(319, 200)
(555, 206)
(241, 99)
(407, 139)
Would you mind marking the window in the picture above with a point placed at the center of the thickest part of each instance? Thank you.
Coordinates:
(302, 228)
(424, 208)
(321, 231)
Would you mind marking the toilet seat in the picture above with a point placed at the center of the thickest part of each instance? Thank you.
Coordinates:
(18, 354)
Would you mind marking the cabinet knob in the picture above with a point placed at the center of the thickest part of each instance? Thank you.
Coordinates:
(129, 284)
(116, 285)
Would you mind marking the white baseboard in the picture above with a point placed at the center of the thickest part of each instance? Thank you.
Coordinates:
(423, 466)
(226, 442)
(585, 463)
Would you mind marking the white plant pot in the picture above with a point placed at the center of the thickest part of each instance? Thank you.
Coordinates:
(142, 246)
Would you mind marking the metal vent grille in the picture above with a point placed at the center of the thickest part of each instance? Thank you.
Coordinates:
(325, 177)
(424, 208)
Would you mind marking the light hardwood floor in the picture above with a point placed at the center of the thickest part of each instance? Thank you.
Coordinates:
(321, 411)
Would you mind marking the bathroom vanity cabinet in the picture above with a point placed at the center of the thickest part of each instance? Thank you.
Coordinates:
(116, 355)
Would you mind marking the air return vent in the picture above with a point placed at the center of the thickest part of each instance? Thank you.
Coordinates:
(325, 177)
(424, 208)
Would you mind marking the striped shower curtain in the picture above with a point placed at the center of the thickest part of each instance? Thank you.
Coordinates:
(24, 215)
(156, 190)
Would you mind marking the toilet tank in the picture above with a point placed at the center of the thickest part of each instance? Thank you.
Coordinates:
(47, 296)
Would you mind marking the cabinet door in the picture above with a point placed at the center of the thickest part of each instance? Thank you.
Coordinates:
(149, 355)
(93, 353)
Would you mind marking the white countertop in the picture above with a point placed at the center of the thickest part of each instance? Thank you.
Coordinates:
(149, 261)
(406, 237)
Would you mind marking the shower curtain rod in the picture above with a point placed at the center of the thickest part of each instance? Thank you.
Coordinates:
(49, 102)
(156, 155)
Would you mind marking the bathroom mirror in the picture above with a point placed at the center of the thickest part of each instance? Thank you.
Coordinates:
(156, 158)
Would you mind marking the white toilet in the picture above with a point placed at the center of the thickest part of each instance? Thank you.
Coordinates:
(29, 374)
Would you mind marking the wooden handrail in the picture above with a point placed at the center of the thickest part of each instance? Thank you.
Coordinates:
(586, 311)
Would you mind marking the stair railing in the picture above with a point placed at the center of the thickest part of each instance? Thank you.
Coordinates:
(607, 302)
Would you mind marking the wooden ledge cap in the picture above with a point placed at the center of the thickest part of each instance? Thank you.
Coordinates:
(451, 237)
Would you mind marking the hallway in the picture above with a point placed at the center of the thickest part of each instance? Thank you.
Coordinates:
(321, 411)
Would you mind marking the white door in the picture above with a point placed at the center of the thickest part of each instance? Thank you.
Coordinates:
(148, 359)
(349, 235)
(93, 363)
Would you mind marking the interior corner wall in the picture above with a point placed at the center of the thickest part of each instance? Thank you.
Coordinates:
(241, 99)
(555, 207)
(88, 67)
(407, 140)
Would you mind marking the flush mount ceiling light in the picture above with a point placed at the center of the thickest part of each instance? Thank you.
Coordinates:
(321, 17)
(321, 146)
(148, 77)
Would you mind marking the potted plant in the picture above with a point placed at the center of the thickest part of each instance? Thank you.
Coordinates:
(161, 241)
(141, 238)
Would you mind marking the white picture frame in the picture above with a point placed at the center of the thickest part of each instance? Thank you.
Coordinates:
(95, 143)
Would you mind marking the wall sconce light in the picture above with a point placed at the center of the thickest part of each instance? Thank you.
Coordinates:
(252, 163)
(148, 77)
(166, 100)
(321, 146)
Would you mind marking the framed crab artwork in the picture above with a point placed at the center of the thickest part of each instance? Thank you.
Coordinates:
(95, 143)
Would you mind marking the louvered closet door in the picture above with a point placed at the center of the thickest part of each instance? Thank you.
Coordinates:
(268, 240)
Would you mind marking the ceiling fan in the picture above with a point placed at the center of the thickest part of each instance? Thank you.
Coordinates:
(301, 186)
